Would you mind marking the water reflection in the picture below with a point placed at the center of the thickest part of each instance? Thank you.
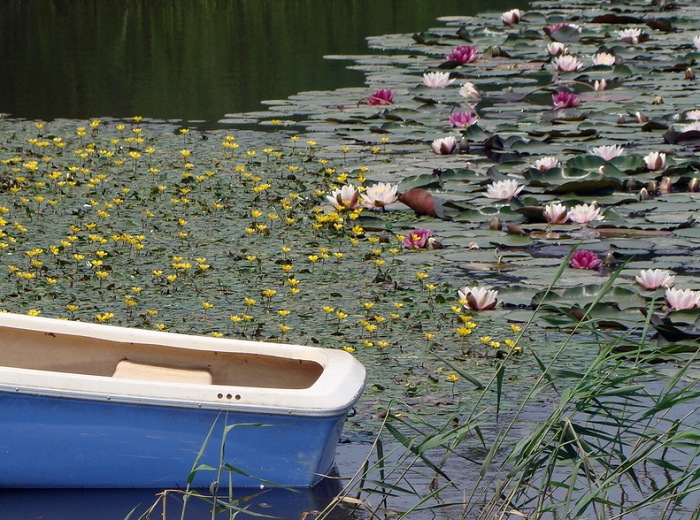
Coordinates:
(178, 59)
(115, 504)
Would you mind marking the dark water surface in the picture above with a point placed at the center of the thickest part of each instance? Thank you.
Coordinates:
(191, 60)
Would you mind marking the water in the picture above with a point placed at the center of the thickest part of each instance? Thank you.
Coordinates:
(191, 61)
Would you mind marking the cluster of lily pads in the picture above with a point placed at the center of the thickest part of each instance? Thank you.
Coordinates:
(604, 167)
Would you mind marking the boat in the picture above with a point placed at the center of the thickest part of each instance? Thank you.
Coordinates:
(88, 405)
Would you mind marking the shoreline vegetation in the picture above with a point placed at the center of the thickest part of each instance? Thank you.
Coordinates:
(501, 226)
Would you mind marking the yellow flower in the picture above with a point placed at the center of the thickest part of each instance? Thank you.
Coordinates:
(453, 378)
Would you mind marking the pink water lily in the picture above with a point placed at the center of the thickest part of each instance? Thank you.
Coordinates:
(608, 152)
(655, 161)
(383, 96)
(417, 239)
(556, 213)
(544, 164)
(512, 17)
(566, 63)
(504, 190)
(444, 145)
(478, 298)
(343, 198)
(380, 195)
(654, 278)
(585, 259)
(601, 85)
(585, 213)
(682, 299)
(463, 54)
(463, 119)
(565, 99)
(437, 79)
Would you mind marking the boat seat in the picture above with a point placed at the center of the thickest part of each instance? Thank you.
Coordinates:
(130, 370)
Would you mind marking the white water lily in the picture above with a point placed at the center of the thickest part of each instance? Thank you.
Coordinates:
(380, 195)
(655, 161)
(346, 197)
(437, 79)
(603, 58)
(504, 190)
(585, 213)
(469, 91)
(696, 41)
(478, 298)
(512, 17)
(654, 278)
(630, 35)
(692, 127)
(544, 164)
(693, 115)
(682, 299)
(556, 213)
(608, 152)
(444, 145)
(557, 49)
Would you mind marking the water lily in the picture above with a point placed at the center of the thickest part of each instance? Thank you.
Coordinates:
(478, 298)
(604, 58)
(437, 79)
(417, 239)
(383, 96)
(571, 27)
(444, 145)
(469, 91)
(544, 164)
(692, 127)
(692, 115)
(655, 161)
(463, 119)
(504, 190)
(631, 35)
(682, 299)
(585, 213)
(566, 63)
(585, 259)
(346, 197)
(654, 278)
(601, 85)
(380, 195)
(556, 213)
(557, 49)
(512, 17)
(608, 152)
(463, 54)
(565, 99)
(696, 41)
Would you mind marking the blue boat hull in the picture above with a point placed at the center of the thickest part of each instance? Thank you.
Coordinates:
(51, 441)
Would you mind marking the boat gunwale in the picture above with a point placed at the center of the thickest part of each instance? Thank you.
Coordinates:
(334, 392)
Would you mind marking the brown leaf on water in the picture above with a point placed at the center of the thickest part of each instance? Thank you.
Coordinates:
(420, 201)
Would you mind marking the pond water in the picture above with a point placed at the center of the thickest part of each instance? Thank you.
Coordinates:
(191, 61)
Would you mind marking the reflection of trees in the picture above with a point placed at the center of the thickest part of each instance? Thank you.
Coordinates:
(189, 59)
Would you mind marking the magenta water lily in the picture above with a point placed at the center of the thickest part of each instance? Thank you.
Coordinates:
(463, 119)
(585, 259)
(383, 96)
(463, 54)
